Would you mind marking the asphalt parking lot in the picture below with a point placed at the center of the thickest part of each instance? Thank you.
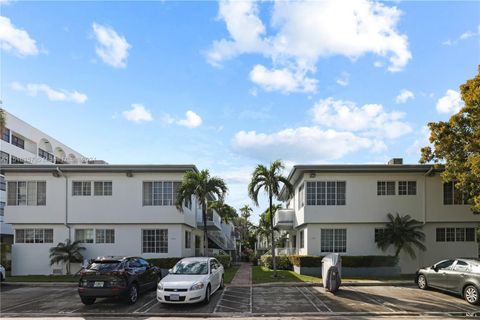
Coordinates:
(256, 300)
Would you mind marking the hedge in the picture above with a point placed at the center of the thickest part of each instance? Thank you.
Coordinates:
(306, 261)
(369, 261)
(282, 262)
(225, 260)
(164, 263)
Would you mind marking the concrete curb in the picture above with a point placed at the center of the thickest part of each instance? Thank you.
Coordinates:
(41, 284)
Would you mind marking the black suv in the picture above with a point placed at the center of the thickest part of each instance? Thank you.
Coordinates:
(122, 277)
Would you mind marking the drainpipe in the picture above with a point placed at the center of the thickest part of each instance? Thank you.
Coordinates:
(60, 172)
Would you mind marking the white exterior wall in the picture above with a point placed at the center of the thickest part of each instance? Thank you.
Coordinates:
(365, 210)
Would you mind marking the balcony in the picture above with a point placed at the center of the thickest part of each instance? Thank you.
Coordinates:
(284, 219)
(213, 221)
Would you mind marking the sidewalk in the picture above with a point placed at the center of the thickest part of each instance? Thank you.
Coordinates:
(243, 276)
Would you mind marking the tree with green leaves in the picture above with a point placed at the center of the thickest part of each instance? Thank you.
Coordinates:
(204, 188)
(403, 233)
(246, 211)
(2, 120)
(270, 180)
(264, 227)
(66, 252)
(226, 212)
(456, 143)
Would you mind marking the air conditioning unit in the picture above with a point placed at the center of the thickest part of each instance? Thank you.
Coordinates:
(312, 175)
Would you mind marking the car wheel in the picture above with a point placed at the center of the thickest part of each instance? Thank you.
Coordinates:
(88, 301)
(208, 292)
(222, 284)
(471, 294)
(422, 282)
(132, 294)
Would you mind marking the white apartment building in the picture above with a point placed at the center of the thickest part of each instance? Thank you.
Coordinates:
(342, 208)
(111, 209)
(21, 143)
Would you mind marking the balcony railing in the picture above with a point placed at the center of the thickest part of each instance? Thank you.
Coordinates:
(284, 219)
(46, 155)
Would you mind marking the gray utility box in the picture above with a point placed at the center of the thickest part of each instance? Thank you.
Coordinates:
(332, 272)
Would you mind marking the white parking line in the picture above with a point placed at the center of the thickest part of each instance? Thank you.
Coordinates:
(251, 299)
(148, 303)
(321, 301)
(218, 303)
(309, 300)
(366, 296)
(242, 303)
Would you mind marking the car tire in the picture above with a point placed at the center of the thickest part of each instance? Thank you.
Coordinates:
(471, 294)
(422, 282)
(88, 301)
(132, 295)
(208, 292)
(222, 284)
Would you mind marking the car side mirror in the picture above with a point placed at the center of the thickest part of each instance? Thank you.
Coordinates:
(170, 270)
(435, 268)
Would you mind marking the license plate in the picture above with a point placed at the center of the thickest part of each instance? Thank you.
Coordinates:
(98, 284)
(174, 297)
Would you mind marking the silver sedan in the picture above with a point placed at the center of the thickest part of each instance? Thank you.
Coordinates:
(459, 276)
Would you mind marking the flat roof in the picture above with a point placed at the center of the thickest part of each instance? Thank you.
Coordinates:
(298, 170)
(98, 168)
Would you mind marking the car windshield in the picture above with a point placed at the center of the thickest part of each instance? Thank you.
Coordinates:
(103, 266)
(190, 267)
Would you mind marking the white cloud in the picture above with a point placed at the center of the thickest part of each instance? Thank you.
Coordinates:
(302, 32)
(344, 79)
(52, 94)
(404, 96)
(421, 141)
(111, 48)
(299, 144)
(450, 103)
(370, 119)
(464, 36)
(137, 114)
(16, 40)
(282, 80)
(192, 120)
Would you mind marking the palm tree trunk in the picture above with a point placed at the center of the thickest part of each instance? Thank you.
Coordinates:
(205, 232)
(68, 266)
(273, 238)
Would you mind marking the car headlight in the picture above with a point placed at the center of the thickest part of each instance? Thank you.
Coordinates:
(197, 286)
(160, 286)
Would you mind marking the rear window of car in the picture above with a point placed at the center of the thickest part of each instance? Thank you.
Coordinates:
(104, 266)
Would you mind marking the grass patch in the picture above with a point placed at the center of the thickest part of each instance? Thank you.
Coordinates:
(264, 275)
(230, 273)
(42, 278)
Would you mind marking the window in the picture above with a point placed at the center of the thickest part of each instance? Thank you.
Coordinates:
(155, 241)
(444, 264)
(302, 239)
(6, 135)
(461, 266)
(452, 195)
(3, 184)
(102, 188)
(27, 193)
(17, 141)
(301, 197)
(379, 232)
(2, 209)
(385, 188)
(46, 155)
(407, 188)
(84, 235)
(160, 193)
(34, 236)
(330, 193)
(81, 188)
(4, 157)
(105, 235)
(294, 242)
(188, 239)
(455, 234)
(333, 240)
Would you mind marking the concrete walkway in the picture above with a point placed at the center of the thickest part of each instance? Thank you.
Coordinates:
(243, 276)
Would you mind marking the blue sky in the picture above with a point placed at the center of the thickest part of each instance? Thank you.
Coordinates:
(229, 85)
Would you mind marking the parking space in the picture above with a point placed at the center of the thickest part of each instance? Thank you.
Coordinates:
(242, 300)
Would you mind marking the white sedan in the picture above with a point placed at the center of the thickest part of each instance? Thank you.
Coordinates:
(191, 280)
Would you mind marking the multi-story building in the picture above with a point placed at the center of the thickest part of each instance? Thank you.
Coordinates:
(111, 209)
(343, 208)
(21, 143)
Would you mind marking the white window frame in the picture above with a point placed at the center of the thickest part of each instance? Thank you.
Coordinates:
(105, 236)
(158, 242)
(85, 188)
(102, 188)
(384, 188)
(162, 193)
(88, 235)
(33, 235)
(326, 193)
(27, 193)
(338, 243)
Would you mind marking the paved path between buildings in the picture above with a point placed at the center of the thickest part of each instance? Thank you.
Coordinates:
(243, 276)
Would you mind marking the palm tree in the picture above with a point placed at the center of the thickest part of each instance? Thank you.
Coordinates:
(201, 186)
(2, 120)
(67, 252)
(226, 212)
(269, 179)
(246, 211)
(402, 233)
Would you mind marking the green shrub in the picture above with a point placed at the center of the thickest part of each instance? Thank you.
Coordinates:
(225, 260)
(306, 261)
(164, 263)
(283, 263)
(5, 256)
(253, 258)
(369, 261)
